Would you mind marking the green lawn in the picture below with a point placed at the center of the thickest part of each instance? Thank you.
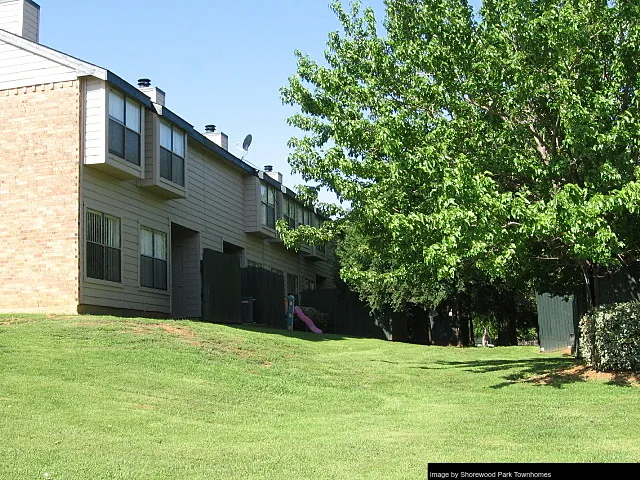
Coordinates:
(107, 398)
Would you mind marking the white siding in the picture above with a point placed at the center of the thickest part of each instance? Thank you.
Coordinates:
(95, 121)
(19, 68)
(11, 17)
(20, 17)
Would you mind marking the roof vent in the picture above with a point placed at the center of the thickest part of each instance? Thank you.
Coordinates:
(268, 168)
(219, 138)
(156, 95)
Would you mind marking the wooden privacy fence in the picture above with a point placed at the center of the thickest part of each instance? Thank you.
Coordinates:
(264, 293)
(231, 294)
(558, 316)
(349, 316)
(221, 287)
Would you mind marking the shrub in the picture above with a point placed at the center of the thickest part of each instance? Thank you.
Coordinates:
(320, 319)
(610, 337)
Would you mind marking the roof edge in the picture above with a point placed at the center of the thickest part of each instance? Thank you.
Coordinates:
(82, 68)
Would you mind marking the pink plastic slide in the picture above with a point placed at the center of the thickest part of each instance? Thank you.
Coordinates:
(298, 311)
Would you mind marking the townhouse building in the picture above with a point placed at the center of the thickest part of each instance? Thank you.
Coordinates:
(108, 199)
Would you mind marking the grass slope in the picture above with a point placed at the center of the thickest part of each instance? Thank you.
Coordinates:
(109, 398)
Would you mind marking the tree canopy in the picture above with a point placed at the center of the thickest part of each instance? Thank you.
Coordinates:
(501, 144)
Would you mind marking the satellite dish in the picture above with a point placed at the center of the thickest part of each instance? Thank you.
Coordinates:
(245, 145)
(247, 142)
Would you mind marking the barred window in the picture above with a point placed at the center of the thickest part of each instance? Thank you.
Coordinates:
(153, 258)
(103, 246)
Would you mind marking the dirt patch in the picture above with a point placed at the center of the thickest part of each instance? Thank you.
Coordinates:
(184, 332)
(9, 320)
(582, 373)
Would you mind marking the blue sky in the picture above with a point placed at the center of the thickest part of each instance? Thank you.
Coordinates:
(219, 61)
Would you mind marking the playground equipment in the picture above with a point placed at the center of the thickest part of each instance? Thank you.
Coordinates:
(292, 309)
(308, 322)
(289, 303)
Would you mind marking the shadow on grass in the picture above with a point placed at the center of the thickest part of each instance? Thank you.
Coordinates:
(553, 372)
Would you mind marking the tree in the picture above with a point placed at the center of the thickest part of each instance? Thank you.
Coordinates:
(502, 144)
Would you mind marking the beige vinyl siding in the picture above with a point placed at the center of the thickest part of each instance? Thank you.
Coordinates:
(220, 198)
(107, 194)
(252, 200)
(19, 68)
(95, 121)
(215, 208)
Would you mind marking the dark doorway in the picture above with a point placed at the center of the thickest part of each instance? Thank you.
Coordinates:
(185, 272)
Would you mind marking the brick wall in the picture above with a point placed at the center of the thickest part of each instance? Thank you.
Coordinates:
(39, 198)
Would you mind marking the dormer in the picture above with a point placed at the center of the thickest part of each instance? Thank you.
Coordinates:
(262, 205)
(166, 148)
(114, 133)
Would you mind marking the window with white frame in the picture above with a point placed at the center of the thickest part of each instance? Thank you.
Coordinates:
(103, 246)
(172, 150)
(153, 258)
(268, 203)
(124, 127)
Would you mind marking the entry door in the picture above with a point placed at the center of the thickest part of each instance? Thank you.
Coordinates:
(177, 286)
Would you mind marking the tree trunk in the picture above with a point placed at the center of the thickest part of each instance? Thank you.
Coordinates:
(508, 334)
(463, 321)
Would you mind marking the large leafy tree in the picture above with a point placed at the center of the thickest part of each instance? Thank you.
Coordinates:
(498, 144)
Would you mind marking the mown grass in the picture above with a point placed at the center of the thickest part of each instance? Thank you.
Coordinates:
(108, 398)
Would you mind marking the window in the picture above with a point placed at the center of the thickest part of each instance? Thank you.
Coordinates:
(103, 246)
(124, 128)
(289, 213)
(268, 204)
(303, 216)
(153, 258)
(292, 284)
(171, 153)
(251, 263)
